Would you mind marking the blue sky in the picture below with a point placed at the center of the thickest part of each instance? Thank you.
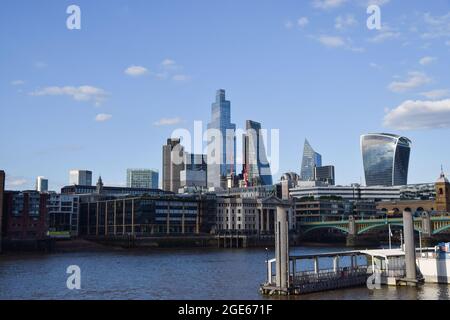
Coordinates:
(106, 97)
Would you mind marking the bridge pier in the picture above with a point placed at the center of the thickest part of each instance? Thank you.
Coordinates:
(351, 241)
(360, 241)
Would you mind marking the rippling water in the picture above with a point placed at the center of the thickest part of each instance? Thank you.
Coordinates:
(166, 274)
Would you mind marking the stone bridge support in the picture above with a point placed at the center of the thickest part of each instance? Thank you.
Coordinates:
(352, 233)
(427, 230)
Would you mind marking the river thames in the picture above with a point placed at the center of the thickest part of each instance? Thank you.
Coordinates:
(190, 274)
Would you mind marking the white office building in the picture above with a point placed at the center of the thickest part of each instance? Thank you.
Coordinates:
(80, 177)
(41, 184)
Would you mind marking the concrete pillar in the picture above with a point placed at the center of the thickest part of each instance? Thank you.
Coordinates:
(168, 220)
(260, 222)
(351, 226)
(282, 249)
(123, 217)
(88, 218)
(132, 217)
(97, 212)
(351, 237)
(268, 220)
(354, 262)
(316, 265)
(115, 217)
(410, 248)
(269, 272)
(182, 223)
(426, 225)
(294, 267)
(106, 218)
(336, 264)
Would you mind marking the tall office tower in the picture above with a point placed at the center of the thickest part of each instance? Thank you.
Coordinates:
(172, 165)
(41, 184)
(194, 172)
(310, 160)
(221, 139)
(80, 177)
(256, 167)
(325, 174)
(142, 178)
(386, 159)
(2, 190)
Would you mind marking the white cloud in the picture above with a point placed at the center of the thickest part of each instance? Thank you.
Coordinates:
(168, 121)
(302, 22)
(17, 82)
(169, 66)
(343, 22)
(437, 26)
(436, 94)
(181, 77)
(379, 3)
(13, 182)
(168, 63)
(102, 117)
(427, 60)
(414, 80)
(40, 65)
(332, 41)
(327, 4)
(337, 42)
(288, 24)
(136, 71)
(374, 65)
(384, 36)
(82, 93)
(412, 115)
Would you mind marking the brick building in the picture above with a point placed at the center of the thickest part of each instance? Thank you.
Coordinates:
(440, 205)
(24, 215)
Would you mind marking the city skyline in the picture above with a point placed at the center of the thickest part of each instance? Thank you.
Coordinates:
(369, 81)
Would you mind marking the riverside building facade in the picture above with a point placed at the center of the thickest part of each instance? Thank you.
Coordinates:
(166, 215)
(354, 192)
(250, 216)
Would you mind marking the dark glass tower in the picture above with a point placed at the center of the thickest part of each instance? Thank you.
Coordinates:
(256, 166)
(386, 159)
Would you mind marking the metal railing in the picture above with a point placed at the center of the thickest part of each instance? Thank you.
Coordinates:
(327, 275)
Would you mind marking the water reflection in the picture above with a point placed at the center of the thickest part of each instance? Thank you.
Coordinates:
(168, 274)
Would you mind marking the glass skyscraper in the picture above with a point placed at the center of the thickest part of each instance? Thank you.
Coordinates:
(142, 178)
(221, 137)
(311, 159)
(256, 165)
(386, 159)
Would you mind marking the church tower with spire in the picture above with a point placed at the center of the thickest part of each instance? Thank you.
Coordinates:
(442, 193)
(99, 189)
